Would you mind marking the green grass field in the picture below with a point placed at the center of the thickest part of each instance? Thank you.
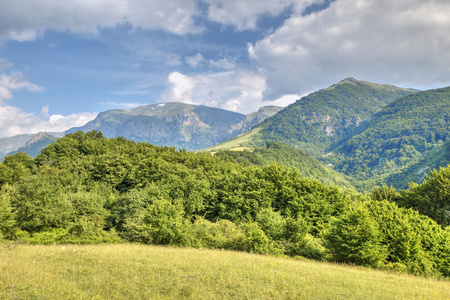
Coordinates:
(239, 143)
(126, 271)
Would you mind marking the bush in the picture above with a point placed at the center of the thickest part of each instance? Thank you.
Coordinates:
(222, 234)
(256, 241)
(272, 223)
(411, 239)
(355, 238)
(7, 216)
(309, 247)
(165, 224)
(432, 197)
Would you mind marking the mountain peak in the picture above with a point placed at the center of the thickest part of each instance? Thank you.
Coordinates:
(350, 80)
(37, 137)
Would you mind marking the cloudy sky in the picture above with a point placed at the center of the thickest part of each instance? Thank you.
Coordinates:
(62, 62)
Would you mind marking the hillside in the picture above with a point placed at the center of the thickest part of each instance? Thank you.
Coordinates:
(36, 144)
(255, 118)
(397, 136)
(307, 165)
(434, 159)
(317, 121)
(9, 144)
(175, 124)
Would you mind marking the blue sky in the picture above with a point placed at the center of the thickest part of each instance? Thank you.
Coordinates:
(62, 62)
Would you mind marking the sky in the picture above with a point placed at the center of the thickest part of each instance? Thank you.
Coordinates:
(63, 62)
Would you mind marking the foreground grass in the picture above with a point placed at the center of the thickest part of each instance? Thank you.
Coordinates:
(125, 271)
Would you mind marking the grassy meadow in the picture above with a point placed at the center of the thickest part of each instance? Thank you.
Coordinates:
(128, 271)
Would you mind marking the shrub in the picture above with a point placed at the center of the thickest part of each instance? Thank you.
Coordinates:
(222, 234)
(165, 224)
(432, 197)
(7, 216)
(256, 241)
(272, 223)
(309, 247)
(355, 238)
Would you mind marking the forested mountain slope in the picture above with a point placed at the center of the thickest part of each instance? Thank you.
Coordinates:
(397, 136)
(320, 119)
(317, 121)
(434, 159)
(288, 156)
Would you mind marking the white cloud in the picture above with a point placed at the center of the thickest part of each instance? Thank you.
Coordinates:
(15, 121)
(195, 61)
(54, 118)
(224, 63)
(244, 15)
(284, 100)
(123, 104)
(44, 111)
(5, 64)
(400, 42)
(237, 90)
(180, 88)
(173, 60)
(14, 81)
(58, 123)
(24, 20)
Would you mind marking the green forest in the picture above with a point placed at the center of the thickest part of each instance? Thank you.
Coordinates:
(85, 188)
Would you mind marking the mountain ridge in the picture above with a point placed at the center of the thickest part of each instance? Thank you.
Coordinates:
(174, 124)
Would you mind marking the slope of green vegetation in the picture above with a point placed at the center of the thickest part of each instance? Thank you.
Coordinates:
(86, 188)
(290, 157)
(315, 122)
(34, 146)
(130, 271)
(320, 119)
(9, 144)
(246, 140)
(434, 159)
(397, 136)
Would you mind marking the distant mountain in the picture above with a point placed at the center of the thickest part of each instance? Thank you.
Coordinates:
(174, 124)
(317, 121)
(307, 165)
(35, 144)
(397, 137)
(435, 159)
(9, 144)
(255, 118)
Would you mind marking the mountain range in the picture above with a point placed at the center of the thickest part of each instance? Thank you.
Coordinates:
(370, 132)
(362, 133)
(179, 125)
